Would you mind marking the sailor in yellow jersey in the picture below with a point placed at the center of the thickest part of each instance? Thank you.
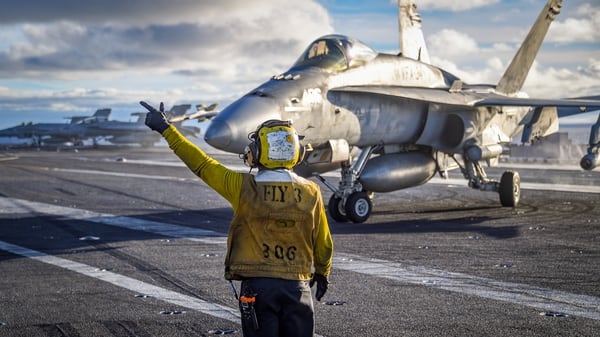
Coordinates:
(279, 243)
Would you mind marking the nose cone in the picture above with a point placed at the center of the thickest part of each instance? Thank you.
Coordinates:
(229, 130)
(218, 134)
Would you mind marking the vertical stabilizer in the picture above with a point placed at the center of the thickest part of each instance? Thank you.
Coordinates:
(102, 114)
(412, 42)
(516, 73)
(141, 117)
(178, 110)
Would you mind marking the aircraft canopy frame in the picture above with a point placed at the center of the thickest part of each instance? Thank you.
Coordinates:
(335, 53)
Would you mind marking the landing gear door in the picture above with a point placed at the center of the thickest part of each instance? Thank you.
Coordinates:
(539, 122)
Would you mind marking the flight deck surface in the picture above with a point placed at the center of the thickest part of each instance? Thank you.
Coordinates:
(128, 242)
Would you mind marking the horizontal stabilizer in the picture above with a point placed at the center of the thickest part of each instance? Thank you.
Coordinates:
(200, 116)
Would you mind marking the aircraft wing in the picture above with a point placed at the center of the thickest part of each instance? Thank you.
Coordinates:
(202, 113)
(341, 95)
(567, 106)
(457, 96)
(200, 116)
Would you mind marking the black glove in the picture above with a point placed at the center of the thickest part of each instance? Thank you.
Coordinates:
(322, 285)
(156, 119)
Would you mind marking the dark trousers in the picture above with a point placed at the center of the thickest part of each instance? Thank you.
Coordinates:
(283, 308)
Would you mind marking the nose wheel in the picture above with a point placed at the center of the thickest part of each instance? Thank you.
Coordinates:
(336, 209)
(350, 202)
(357, 208)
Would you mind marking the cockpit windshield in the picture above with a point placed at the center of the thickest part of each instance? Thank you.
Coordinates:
(335, 53)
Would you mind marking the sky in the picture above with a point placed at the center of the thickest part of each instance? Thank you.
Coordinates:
(65, 58)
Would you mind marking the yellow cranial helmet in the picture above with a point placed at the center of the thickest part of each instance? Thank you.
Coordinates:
(275, 144)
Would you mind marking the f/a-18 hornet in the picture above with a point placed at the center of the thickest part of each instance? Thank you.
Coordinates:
(99, 126)
(408, 118)
(71, 133)
(136, 132)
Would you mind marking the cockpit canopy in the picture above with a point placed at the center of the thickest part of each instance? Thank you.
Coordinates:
(335, 53)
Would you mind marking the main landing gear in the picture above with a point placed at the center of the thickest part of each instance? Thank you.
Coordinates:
(351, 202)
(509, 187)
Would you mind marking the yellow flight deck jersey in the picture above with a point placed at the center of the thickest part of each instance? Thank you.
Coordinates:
(279, 227)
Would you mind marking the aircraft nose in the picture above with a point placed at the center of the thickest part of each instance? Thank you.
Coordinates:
(229, 130)
(218, 134)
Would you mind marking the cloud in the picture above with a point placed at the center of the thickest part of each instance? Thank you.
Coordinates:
(180, 37)
(130, 12)
(67, 55)
(454, 5)
(81, 55)
(461, 55)
(542, 81)
(451, 43)
(561, 82)
(584, 28)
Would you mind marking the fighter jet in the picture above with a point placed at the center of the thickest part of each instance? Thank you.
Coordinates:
(202, 114)
(408, 119)
(136, 132)
(101, 115)
(72, 133)
(97, 127)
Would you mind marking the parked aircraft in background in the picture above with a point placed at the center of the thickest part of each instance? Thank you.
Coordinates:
(97, 127)
(72, 133)
(202, 114)
(101, 115)
(136, 132)
(409, 118)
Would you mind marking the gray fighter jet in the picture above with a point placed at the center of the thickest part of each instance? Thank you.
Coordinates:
(71, 133)
(101, 115)
(136, 132)
(409, 119)
(99, 126)
(203, 113)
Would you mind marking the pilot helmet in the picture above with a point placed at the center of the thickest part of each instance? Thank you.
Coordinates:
(275, 144)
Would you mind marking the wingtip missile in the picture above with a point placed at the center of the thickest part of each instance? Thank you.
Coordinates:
(590, 161)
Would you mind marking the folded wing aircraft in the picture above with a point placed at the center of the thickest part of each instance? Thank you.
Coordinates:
(202, 114)
(136, 132)
(73, 132)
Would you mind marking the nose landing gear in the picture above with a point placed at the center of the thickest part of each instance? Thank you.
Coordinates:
(357, 208)
(350, 202)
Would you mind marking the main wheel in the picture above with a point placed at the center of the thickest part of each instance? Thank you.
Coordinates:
(510, 189)
(335, 209)
(358, 207)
